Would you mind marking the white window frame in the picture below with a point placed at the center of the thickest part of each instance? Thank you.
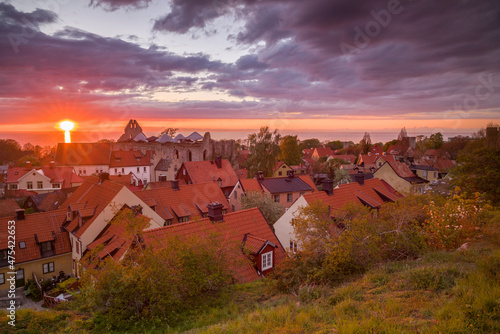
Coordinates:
(29, 185)
(266, 260)
(289, 197)
(277, 198)
(48, 267)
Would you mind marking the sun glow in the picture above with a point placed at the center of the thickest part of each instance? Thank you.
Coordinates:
(67, 126)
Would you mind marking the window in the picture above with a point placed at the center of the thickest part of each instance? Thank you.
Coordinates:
(435, 174)
(116, 170)
(425, 174)
(280, 173)
(168, 222)
(46, 248)
(293, 246)
(144, 169)
(39, 185)
(277, 198)
(235, 195)
(77, 246)
(138, 169)
(29, 185)
(48, 267)
(84, 171)
(97, 170)
(22, 245)
(56, 185)
(302, 193)
(289, 197)
(123, 170)
(183, 219)
(267, 260)
(13, 186)
(2, 278)
(20, 274)
(232, 207)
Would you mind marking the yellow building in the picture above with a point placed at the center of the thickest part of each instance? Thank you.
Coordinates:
(399, 176)
(36, 245)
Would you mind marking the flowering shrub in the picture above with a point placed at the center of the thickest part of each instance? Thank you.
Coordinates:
(456, 221)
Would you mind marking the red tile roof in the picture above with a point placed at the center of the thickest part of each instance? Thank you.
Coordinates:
(307, 179)
(80, 154)
(401, 169)
(308, 152)
(130, 158)
(207, 171)
(60, 174)
(8, 207)
(190, 200)
(234, 229)
(324, 151)
(45, 225)
(251, 185)
(355, 193)
(91, 196)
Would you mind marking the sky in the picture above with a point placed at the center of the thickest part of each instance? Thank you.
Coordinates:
(232, 66)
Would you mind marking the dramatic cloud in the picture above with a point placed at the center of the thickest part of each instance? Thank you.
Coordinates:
(319, 58)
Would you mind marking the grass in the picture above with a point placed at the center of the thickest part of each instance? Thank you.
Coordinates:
(442, 292)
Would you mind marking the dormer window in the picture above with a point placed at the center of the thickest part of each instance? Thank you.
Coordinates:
(56, 185)
(267, 260)
(69, 216)
(13, 186)
(46, 248)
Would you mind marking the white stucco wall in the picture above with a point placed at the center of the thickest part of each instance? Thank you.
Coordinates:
(283, 227)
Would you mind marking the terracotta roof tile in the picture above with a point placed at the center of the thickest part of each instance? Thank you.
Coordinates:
(354, 193)
(130, 158)
(183, 202)
(251, 185)
(233, 229)
(91, 194)
(80, 154)
(8, 207)
(45, 225)
(207, 171)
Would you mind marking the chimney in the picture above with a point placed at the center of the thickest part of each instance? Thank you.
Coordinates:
(290, 173)
(28, 164)
(103, 177)
(215, 212)
(175, 184)
(260, 175)
(52, 164)
(218, 162)
(328, 186)
(20, 214)
(360, 177)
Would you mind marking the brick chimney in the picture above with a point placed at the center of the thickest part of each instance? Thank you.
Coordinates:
(260, 175)
(52, 164)
(28, 164)
(290, 173)
(103, 177)
(175, 185)
(20, 214)
(360, 177)
(328, 186)
(215, 212)
(218, 162)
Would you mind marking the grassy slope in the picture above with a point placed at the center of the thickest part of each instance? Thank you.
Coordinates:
(443, 292)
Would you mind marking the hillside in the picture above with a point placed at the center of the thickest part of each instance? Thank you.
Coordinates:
(441, 292)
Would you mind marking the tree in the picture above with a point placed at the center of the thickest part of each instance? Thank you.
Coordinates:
(435, 141)
(290, 150)
(10, 150)
(389, 144)
(403, 140)
(309, 143)
(157, 282)
(365, 143)
(335, 145)
(271, 210)
(21, 162)
(264, 151)
(341, 176)
(106, 141)
(478, 169)
(170, 131)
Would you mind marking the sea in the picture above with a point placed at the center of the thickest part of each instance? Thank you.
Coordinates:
(51, 138)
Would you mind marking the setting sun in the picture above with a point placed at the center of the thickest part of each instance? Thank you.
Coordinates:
(67, 126)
